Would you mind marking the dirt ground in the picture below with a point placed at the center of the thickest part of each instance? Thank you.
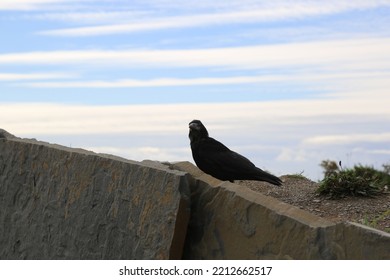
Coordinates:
(301, 192)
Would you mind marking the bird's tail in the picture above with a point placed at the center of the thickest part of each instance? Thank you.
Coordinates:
(264, 176)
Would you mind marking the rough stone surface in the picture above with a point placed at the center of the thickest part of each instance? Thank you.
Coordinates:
(230, 221)
(62, 203)
(358, 242)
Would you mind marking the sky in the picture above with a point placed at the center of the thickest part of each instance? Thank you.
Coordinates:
(285, 83)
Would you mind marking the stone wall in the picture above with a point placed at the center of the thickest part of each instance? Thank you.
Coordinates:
(230, 221)
(63, 203)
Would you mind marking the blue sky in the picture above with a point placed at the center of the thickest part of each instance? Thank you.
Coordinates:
(286, 83)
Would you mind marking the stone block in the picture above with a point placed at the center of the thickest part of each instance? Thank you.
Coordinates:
(354, 241)
(63, 203)
(230, 221)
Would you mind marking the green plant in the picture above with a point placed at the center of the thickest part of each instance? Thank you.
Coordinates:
(296, 176)
(358, 181)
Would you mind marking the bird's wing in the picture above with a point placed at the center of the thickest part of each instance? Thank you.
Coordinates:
(218, 160)
(234, 162)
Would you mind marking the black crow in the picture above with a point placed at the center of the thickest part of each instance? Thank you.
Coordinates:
(217, 160)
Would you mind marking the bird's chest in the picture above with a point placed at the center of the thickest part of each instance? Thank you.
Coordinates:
(196, 152)
(204, 153)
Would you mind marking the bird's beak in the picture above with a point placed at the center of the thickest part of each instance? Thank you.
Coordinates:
(193, 126)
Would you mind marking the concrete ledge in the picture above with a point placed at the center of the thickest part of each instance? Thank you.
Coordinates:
(229, 221)
(63, 203)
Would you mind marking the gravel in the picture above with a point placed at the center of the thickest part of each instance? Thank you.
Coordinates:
(301, 192)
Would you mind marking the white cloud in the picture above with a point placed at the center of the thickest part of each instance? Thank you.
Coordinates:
(90, 17)
(380, 152)
(34, 76)
(252, 4)
(347, 139)
(181, 22)
(294, 155)
(31, 4)
(162, 82)
(282, 10)
(144, 152)
(363, 82)
(45, 118)
(357, 54)
(73, 119)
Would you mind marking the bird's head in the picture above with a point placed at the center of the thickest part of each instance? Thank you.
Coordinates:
(197, 131)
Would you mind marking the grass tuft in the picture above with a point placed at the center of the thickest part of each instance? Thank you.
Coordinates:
(358, 181)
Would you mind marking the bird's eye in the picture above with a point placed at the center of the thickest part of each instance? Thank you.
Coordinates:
(193, 125)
